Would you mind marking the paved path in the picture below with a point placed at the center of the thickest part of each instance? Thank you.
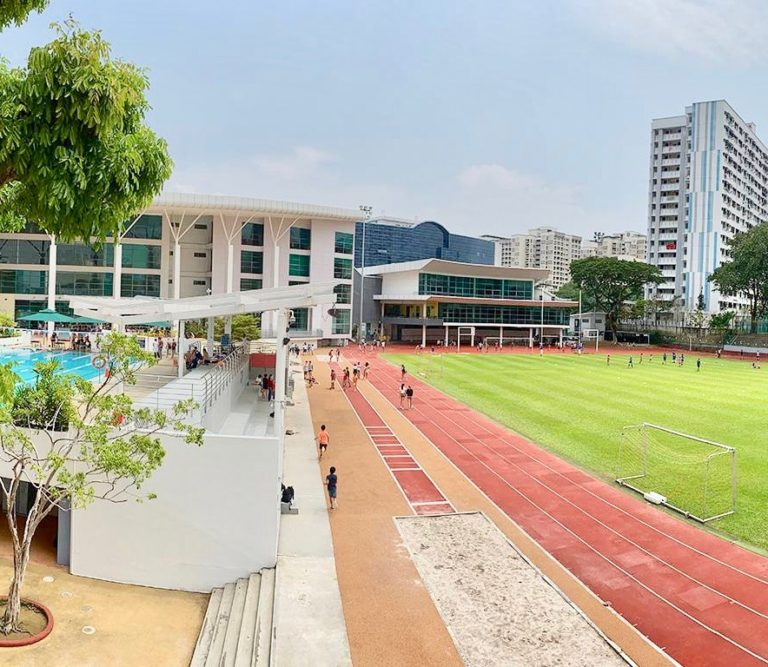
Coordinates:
(701, 598)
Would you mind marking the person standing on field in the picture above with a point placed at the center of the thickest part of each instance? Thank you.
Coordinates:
(409, 397)
(629, 363)
(323, 439)
(402, 396)
(698, 365)
(331, 482)
(608, 360)
(333, 378)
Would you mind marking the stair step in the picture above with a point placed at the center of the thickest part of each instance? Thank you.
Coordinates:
(217, 643)
(243, 656)
(234, 624)
(203, 645)
(263, 644)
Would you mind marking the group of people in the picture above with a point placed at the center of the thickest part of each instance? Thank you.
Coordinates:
(309, 374)
(158, 344)
(350, 378)
(81, 342)
(266, 386)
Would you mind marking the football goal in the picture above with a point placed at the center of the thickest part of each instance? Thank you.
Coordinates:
(508, 341)
(691, 475)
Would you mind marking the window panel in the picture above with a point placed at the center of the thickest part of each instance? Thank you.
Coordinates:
(24, 282)
(341, 322)
(343, 293)
(482, 288)
(344, 243)
(146, 227)
(250, 283)
(298, 265)
(141, 256)
(251, 261)
(342, 268)
(252, 234)
(139, 284)
(84, 283)
(21, 251)
(302, 319)
(301, 238)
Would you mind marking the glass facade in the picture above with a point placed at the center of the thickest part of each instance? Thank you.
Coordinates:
(82, 255)
(485, 288)
(140, 256)
(251, 261)
(252, 234)
(84, 283)
(26, 307)
(298, 265)
(146, 227)
(139, 284)
(490, 314)
(21, 251)
(342, 268)
(301, 238)
(386, 244)
(302, 319)
(23, 282)
(343, 293)
(250, 283)
(341, 321)
(344, 243)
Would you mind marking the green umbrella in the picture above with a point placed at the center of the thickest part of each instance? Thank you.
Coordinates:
(47, 315)
(82, 319)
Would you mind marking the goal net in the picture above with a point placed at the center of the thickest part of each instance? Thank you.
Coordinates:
(691, 475)
(508, 341)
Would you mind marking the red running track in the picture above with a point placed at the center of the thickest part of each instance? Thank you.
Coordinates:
(700, 598)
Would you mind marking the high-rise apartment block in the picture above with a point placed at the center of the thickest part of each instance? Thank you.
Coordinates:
(541, 248)
(708, 181)
(624, 245)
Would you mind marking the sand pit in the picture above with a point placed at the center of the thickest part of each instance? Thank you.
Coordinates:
(499, 609)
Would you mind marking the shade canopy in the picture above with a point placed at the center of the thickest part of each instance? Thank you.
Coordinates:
(146, 310)
(88, 320)
(47, 315)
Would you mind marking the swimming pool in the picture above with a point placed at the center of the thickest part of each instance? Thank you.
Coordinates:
(77, 363)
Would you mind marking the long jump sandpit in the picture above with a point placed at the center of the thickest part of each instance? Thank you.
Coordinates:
(499, 609)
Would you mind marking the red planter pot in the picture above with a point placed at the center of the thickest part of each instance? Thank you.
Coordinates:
(10, 643)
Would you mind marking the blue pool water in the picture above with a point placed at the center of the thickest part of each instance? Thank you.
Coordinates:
(77, 363)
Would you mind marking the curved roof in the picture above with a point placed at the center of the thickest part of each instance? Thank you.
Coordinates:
(227, 204)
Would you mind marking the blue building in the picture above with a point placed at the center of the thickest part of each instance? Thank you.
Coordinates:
(390, 241)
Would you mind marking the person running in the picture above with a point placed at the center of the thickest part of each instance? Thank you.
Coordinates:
(403, 372)
(664, 359)
(641, 359)
(333, 378)
(629, 363)
(409, 397)
(331, 482)
(323, 440)
(402, 396)
(366, 368)
(698, 365)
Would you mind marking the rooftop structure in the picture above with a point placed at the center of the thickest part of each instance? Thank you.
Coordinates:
(623, 245)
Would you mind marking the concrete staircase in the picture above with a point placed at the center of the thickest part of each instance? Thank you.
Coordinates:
(237, 629)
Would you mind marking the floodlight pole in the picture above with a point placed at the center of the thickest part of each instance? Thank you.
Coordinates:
(580, 337)
(366, 216)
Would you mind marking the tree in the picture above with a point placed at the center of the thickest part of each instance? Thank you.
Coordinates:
(720, 323)
(747, 272)
(245, 326)
(17, 11)
(75, 442)
(611, 282)
(76, 158)
(570, 291)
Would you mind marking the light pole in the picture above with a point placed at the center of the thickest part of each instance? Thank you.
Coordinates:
(541, 332)
(366, 216)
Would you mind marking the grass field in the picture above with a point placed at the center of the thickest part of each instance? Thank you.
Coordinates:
(577, 406)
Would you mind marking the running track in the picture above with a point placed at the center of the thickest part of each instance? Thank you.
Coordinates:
(700, 598)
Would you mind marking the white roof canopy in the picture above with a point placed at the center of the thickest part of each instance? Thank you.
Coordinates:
(141, 310)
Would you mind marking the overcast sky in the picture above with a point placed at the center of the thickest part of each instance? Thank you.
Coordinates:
(490, 117)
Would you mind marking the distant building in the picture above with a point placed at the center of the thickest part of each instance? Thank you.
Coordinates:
(708, 180)
(541, 248)
(624, 245)
(391, 240)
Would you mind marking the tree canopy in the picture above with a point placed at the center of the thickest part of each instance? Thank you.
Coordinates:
(76, 157)
(611, 282)
(17, 11)
(747, 272)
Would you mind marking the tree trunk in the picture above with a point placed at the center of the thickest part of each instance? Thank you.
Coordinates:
(10, 621)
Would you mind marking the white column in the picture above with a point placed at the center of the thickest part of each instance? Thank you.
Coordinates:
(275, 264)
(530, 337)
(230, 267)
(561, 339)
(210, 335)
(181, 350)
(424, 325)
(281, 365)
(501, 336)
(472, 336)
(117, 280)
(446, 335)
(52, 281)
(228, 327)
(176, 270)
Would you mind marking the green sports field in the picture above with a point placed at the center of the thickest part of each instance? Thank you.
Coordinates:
(577, 406)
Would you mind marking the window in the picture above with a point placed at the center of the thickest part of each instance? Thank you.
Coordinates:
(81, 255)
(252, 234)
(200, 282)
(140, 284)
(492, 314)
(298, 265)
(141, 256)
(250, 283)
(341, 322)
(297, 282)
(146, 227)
(488, 288)
(200, 254)
(342, 268)
(344, 243)
(301, 238)
(251, 261)
(84, 283)
(343, 293)
(24, 252)
(302, 319)
(24, 282)
(201, 226)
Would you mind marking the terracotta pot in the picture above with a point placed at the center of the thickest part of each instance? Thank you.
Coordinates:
(10, 643)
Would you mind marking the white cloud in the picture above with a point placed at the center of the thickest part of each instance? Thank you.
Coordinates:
(717, 30)
(300, 163)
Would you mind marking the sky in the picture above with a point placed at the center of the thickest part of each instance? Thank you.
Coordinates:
(490, 117)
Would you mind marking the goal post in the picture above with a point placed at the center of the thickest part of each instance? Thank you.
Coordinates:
(691, 475)
(510, 341)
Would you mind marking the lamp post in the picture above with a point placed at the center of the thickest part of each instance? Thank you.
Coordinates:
(366, 216)
(541, 332)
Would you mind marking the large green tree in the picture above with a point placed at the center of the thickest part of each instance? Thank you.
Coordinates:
(76, 441)
(76, 157)
(17, 11)
(747, 272)
(612, 282)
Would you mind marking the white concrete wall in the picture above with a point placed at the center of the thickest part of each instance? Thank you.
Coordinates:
(217, 414)
(404, 283)
(215, 519)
